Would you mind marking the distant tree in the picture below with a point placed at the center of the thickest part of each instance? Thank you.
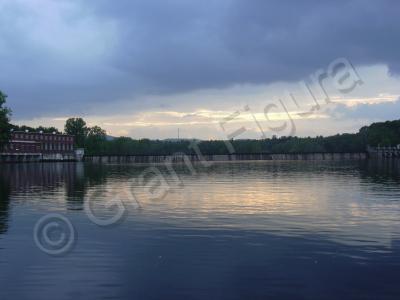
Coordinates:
(5, 125)
(22, 128)
(383, 133)
(47, 129)
(96, 131)
(95, 140)
(78, 128)
(32, 129)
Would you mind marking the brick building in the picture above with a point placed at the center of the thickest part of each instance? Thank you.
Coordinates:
(35, 143)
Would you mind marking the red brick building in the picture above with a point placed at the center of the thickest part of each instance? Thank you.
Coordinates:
(34, 142)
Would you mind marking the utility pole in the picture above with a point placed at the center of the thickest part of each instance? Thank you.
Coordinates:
(178, 134)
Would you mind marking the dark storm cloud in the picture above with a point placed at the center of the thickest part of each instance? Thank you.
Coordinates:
(91, 52)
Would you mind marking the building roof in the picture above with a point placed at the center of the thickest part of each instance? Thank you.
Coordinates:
(34, 132)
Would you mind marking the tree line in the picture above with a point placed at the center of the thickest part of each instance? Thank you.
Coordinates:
(96, 142)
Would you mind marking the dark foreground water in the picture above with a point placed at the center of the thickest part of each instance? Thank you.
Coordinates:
(263, 230)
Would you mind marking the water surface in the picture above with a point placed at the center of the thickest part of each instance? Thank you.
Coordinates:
(246, 230)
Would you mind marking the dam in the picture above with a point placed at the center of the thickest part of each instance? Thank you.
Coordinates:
(180, 157)
(371, 153)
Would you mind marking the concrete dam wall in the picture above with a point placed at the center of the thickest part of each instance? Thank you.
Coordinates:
(36, 157)
(177, 158)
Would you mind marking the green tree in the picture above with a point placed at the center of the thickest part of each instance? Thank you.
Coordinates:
(97, 132)
(95, 140)
(78, 128)
(47, 129)
(33, 129)
(5, 125)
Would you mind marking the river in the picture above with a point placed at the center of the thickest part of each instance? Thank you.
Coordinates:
(234, 230)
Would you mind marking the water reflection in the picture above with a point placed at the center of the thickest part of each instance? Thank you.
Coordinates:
(47, 178)
(4, 204)
(327, 194)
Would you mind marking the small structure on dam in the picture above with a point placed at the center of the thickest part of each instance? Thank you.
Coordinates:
(384, 152)
(27, 146)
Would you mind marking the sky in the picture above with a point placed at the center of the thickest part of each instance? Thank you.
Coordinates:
(210, 68)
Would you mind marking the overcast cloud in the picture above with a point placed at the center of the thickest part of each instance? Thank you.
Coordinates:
(62, 58)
